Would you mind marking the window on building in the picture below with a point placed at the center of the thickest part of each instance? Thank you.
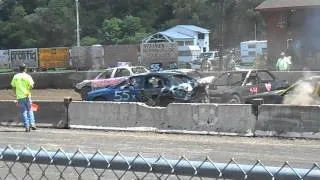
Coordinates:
(251, 46)
(200, 36)
(184, 53)
(180, 43)
(251, 53)
(189, 43)
(204, 49)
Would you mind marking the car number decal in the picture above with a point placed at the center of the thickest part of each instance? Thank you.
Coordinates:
(122, 95)
(156, 67)
(253, 90)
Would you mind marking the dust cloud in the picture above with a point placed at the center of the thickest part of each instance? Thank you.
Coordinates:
(304, 92)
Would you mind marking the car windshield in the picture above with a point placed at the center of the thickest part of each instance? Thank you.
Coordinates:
(179, 79)
(139, 70)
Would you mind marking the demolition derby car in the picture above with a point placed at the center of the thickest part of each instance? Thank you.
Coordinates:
(234, 87)
(303, 92)
(194, 74)
(154, 89)
(109, 77)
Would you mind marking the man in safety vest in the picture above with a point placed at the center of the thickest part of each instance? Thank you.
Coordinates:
(22, 83)
(283, 63)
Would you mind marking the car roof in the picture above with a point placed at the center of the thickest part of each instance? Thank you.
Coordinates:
(180, 70)
(161, 73)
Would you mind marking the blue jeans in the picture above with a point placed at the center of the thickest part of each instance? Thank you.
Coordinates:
(26, 112)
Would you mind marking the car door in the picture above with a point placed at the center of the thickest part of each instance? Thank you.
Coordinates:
(267, 81)
(152, 86)
(251, 84)
(130, 91)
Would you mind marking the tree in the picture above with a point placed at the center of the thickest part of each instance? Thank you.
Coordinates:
(112, 30)
(88, 41)
(127, 30)
(49, 23)
(54, 23)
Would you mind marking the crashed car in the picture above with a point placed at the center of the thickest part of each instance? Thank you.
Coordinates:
(194, 74)
(235, 86)
(154, 89)
(305, 91)
(109, 77)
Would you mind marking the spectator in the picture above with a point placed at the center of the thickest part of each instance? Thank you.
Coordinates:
(283, 62)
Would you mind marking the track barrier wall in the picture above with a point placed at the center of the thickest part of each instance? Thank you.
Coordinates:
(189, 117)
(50, 114)
(272, 120)
(286, 120)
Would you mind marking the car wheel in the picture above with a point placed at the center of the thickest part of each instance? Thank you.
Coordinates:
(99, 99)
(235, 99)
(84, 92)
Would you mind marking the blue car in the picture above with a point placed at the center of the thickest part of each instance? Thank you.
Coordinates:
(155, 89)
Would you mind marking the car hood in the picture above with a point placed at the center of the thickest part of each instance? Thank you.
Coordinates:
(276, 92)
(100, 83)
(206, 80)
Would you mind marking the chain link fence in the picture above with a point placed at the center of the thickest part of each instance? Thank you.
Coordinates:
(42, 164)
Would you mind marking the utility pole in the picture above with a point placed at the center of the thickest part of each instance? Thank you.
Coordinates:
(255, 31)
(221, 35)
(78, 33)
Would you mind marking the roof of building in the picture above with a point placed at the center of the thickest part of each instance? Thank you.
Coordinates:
(194, 28)
(175, 35)
(286, 4)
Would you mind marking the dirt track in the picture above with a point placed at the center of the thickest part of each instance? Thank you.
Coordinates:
(43, 94)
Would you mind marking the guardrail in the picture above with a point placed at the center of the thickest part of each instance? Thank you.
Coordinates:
(39, 164)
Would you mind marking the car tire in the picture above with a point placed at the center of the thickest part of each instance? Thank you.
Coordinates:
(99, 99)
(84, 92)
(235, 99)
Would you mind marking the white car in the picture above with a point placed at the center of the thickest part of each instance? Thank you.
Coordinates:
(194, 74)
(109, 77)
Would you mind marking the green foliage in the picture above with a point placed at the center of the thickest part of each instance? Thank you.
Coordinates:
(88, 41)
(50, 23)
(127, 30)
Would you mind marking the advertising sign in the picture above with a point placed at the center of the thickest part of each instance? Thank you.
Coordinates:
(26, 56)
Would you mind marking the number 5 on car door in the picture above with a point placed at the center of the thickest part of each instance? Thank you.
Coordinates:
(121, 95)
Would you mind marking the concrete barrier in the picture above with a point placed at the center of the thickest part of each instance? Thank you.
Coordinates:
(191, 117)
(211, 117)
(286, 120)
(105, 114)
(272, 120)
(50, 114)
(114, 114)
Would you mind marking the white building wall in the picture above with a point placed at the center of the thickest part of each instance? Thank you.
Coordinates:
(196, 42)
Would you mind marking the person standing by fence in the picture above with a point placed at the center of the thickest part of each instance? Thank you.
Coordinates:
(22, 83)
(283, 63)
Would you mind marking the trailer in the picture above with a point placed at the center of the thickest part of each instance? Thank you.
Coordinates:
(249, 50)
